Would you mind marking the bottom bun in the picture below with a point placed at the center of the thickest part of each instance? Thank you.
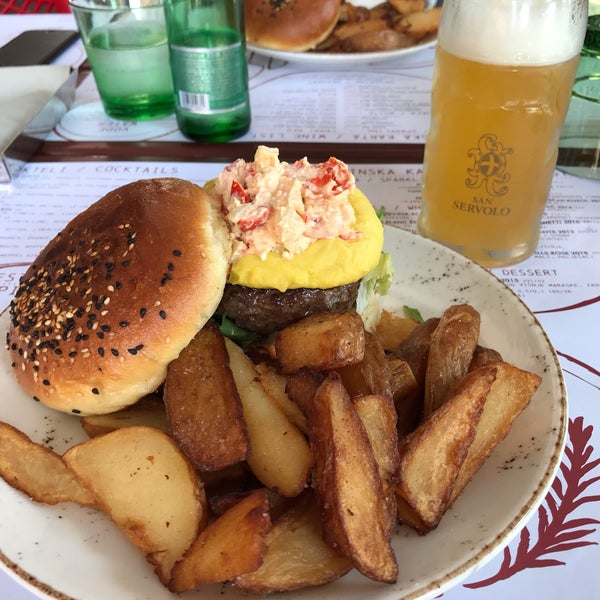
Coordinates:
(117, 295)
(267, 310)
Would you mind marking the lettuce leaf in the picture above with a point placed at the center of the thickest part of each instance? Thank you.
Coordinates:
(374, 284)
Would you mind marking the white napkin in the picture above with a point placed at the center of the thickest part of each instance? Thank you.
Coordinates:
(24, 91)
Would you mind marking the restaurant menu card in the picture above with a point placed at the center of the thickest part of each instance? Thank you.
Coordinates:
(563, 270)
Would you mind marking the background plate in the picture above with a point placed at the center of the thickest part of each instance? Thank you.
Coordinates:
(67, 551)
(330, 59)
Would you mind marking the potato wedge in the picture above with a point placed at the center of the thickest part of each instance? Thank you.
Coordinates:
(509, 395)
(414, 349)
(347, 483)
(407, 401)
(230, 546)
(484, 356)
(322, 341)
(275, 384)
(149, 411)
(391, 329)
(451, 350)
(378, 415)
(280, 456)
(371, 375)
(432, 456)
(420, 24)
(37, 471)
(297, 557)
(144, 482)
(202, 403)
(302, 387)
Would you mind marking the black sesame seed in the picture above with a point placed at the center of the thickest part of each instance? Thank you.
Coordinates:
(176, 252)
(143, 312)
(101, 351)
(162, 314)
(123, 323)
(76, 411)
(95, 391)
(114, 352)
(46, 382)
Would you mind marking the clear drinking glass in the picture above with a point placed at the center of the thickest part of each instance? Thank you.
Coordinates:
(579, 152)
(126, 46)
(502, 81)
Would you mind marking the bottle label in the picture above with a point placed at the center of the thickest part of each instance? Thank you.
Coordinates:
(209, 80)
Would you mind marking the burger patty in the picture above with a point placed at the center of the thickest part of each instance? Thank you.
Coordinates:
(267, 310)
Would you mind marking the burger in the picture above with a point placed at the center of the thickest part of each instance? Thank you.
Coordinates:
(123, 289)
(290, 25)
(303, 239)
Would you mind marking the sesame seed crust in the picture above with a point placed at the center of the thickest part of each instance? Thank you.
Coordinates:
(116, 295)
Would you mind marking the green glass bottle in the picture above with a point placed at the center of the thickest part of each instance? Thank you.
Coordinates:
(207, 50)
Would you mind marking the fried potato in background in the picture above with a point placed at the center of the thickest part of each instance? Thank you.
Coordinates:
(202, 403)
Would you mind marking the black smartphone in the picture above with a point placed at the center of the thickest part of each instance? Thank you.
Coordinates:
(36, 47)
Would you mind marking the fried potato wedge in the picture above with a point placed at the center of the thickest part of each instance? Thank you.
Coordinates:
(275, 384)
(203, 405)
(321, 341)
(347, 483)
(371, 375)
(376, 40)
(144, 482)
(149, 411)
(378, 415)
(451, 350)
(37, 471)
(432, 456)
(420, 24)
(484, 356)
(302, 387)
(297, 557)
(230, 546)
(405, 7)
(391, 329)
(404, 390)
(509, 395)
(280, 456)
(414, 349)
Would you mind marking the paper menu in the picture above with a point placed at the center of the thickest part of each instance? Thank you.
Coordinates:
(380, 103)
(562, 272)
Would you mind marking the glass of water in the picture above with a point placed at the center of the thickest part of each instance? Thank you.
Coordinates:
(126, 46)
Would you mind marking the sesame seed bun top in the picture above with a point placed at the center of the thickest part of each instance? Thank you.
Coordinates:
(116, 296)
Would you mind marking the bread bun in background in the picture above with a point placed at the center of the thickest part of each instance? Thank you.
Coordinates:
(291, 25)
(117, 295)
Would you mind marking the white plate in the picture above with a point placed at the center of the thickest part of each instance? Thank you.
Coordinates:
(71, 552)
(330, 59)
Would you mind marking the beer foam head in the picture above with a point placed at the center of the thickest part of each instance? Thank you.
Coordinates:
(513, 32)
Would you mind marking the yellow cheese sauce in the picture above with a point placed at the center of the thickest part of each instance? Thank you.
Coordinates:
(325, 263)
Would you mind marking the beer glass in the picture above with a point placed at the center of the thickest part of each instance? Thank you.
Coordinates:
(502, 82)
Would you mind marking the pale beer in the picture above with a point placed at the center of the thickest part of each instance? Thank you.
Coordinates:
(498, 104)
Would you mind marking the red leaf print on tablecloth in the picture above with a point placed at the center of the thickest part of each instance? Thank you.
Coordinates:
(558, 530)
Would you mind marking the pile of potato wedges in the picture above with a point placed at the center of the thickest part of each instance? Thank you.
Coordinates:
(288, 463)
